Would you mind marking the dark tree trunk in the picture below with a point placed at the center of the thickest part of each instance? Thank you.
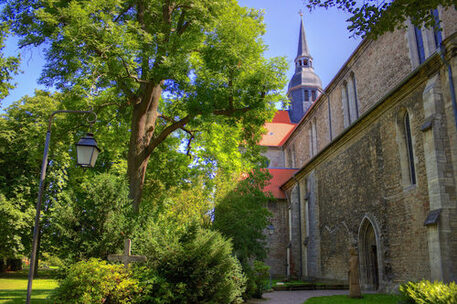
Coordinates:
(144, 119)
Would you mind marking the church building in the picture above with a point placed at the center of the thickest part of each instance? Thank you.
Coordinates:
(369, 162)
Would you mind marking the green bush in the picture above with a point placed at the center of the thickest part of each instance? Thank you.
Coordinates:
(95, 281)
(194, 266)
(257, 279)
(425, 292)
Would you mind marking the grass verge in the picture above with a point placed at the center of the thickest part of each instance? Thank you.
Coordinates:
(13, 287)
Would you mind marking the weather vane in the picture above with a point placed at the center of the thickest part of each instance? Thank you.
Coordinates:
(300, 12)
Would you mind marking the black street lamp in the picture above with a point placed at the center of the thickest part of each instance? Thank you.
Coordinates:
(87, 152)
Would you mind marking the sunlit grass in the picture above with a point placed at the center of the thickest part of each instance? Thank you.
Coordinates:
(13, 287)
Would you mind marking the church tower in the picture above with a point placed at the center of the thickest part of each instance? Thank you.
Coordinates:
(304, 85)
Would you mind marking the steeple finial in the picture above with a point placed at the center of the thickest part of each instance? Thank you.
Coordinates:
(300, 12)
(303, 50)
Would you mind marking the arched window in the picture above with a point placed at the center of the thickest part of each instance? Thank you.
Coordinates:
(354, 95)
(349, 100)
(313, 138)
(345, 104)
(409, 149)
(306, 95)
(419, 44)
(436, 30)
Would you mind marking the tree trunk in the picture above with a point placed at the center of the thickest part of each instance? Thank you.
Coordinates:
(144, 119)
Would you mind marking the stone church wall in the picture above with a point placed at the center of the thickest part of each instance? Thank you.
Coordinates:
(362, 179)
(278, 239)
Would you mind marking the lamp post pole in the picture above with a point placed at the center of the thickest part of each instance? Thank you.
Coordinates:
(44, 165)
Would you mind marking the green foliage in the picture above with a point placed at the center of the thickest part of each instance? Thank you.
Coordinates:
(241, 214)
(95, 281)
(169, 69)
(373, 18)
(258, 278)
(12, 223)
(8, 65)
(191, 266)
(91, 219)
(22, 136)
(426, 292)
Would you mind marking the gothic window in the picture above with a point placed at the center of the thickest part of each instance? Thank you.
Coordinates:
(345, 104)
(291, 157)
(313, 92)
(436, 30)
(299, 62)
(349, 100)
(419, 44)
(409, 149)
(305, 62)
(313, 138)
(354, 95)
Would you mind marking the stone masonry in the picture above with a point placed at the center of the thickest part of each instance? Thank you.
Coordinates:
(376, 159)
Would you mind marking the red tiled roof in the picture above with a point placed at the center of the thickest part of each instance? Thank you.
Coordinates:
(281, 116)
(278, 130)
(279, 177)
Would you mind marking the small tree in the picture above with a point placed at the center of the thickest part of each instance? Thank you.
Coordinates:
(12, 224)
(91, 219)
(241, 214)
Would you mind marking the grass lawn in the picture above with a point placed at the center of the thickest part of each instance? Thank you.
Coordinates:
(13, 287)
(367, 299)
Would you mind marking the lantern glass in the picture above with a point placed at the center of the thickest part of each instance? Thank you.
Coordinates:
(87, 151)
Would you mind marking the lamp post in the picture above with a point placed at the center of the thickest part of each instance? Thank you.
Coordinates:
(87, 152)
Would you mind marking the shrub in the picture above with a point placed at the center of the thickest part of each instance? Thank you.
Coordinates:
(257, 279)
(194, 266)
(425, 292)
(95, 281)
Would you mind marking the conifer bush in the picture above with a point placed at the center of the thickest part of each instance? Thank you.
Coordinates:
(426, 292)
(194, 266)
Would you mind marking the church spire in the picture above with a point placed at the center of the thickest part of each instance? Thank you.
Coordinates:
(305, 84)
(303, 50)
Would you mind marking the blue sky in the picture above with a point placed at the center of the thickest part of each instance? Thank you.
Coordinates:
(328, 40)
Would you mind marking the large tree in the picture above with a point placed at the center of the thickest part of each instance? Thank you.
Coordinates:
(189, 65)
(374, 17)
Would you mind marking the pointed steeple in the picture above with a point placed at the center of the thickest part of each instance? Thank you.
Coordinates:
(304, 85)
(303, 50)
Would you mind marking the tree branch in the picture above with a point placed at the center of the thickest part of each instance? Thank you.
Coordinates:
(190, 132)
(167, 131)
(132, 76)
(125, 10)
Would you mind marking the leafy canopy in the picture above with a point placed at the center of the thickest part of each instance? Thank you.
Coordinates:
(183, 68)
(373, 17)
